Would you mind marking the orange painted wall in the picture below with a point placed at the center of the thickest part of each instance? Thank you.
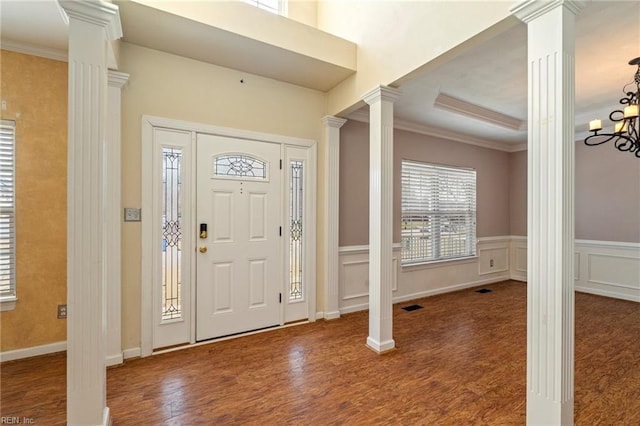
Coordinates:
(35, 92)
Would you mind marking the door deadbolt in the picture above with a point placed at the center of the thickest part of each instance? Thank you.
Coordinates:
(203, 230)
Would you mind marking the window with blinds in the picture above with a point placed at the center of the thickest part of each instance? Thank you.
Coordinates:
(274, 6)
(438, 212)
(7, 210)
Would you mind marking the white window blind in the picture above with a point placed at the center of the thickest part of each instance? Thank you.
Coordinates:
(7, 210)
(438, 212)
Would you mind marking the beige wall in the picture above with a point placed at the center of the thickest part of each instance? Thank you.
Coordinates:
(178, 88)
(492, 179)
(304, 11)
(397, 37)
(607, 188)
(518, 193)
(607, 194)
(35, 92)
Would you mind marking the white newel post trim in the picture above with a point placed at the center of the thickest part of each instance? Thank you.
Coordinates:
(117, 80)
(332, 127)
(380, 102)
(550, 288)
(92, 25)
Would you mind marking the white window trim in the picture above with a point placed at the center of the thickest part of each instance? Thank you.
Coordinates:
(8, 302)
(471, 251)
(283, 6)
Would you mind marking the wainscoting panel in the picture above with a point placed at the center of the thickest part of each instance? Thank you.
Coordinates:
(518, 259)
(606, 268)
(416, 281)
(609, 269)
(493, 259)
(354, 274)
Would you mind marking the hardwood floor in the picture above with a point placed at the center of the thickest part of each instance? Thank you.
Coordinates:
(460, 360)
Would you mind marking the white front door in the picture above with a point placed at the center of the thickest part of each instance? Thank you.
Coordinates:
(239, 265)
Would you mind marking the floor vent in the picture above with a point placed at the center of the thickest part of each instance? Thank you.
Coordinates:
(483, 290)
(412, 307)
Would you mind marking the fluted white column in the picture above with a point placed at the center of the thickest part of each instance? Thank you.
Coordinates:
(332, 127)
(550, 280)
(380, 102)
(117, 80)
(92, 24)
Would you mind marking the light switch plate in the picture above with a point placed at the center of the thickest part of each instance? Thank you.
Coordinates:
(131, 214)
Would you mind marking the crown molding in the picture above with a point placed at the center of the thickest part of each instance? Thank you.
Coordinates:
(117, 78)
(363, 116)
(33, 50)
(384, 93)
(96, 12)
(459, 106)
(332, 121)
(528, 10)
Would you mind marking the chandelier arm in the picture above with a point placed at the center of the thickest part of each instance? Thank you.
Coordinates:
(588, 141)
(626, 134)
(624, 143)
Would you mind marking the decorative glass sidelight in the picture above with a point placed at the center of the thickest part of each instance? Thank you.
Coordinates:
(237, 165)
(171, 233)
(296, 203)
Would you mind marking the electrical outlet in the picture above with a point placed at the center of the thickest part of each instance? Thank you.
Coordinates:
(62, 311)
(491, 263)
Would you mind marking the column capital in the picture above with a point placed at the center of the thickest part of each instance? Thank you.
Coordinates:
(528, 10)
(96, 12)
(384, 93)
(331, 121)
(117, 79)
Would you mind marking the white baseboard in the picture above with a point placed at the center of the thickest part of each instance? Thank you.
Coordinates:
(33, 351)
(52, 348)
(605, 293)
(114, 360)
(450, 289)
(428, 293)
(106, 417)
(331, 315)
(131, 353)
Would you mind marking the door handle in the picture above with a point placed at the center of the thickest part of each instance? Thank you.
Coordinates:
(203, 249)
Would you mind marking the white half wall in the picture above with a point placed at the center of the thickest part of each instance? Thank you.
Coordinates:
(492, 264)
(610, 269)
(605, 268)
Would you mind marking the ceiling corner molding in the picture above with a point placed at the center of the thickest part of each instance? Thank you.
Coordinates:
(33, 50)
(528, 10)
(519, 147)
(452, 136)
(459, 106)
(362, 115)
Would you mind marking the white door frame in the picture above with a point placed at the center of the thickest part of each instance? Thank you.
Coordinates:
(309, 242)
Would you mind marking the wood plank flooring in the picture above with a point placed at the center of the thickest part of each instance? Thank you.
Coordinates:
(459, 361)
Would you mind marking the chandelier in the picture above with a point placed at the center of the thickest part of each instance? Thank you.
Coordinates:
(626, 130)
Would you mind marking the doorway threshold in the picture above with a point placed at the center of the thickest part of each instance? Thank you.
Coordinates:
(229, 337)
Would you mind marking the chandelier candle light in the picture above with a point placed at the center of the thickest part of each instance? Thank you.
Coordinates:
(626, 131)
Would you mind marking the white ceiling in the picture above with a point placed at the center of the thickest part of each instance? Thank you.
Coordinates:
(491, 76)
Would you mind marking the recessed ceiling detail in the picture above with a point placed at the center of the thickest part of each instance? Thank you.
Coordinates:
(477, 112)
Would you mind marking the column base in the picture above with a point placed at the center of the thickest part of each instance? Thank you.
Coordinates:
(380, 347)
(332, 315)
(544, 411)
